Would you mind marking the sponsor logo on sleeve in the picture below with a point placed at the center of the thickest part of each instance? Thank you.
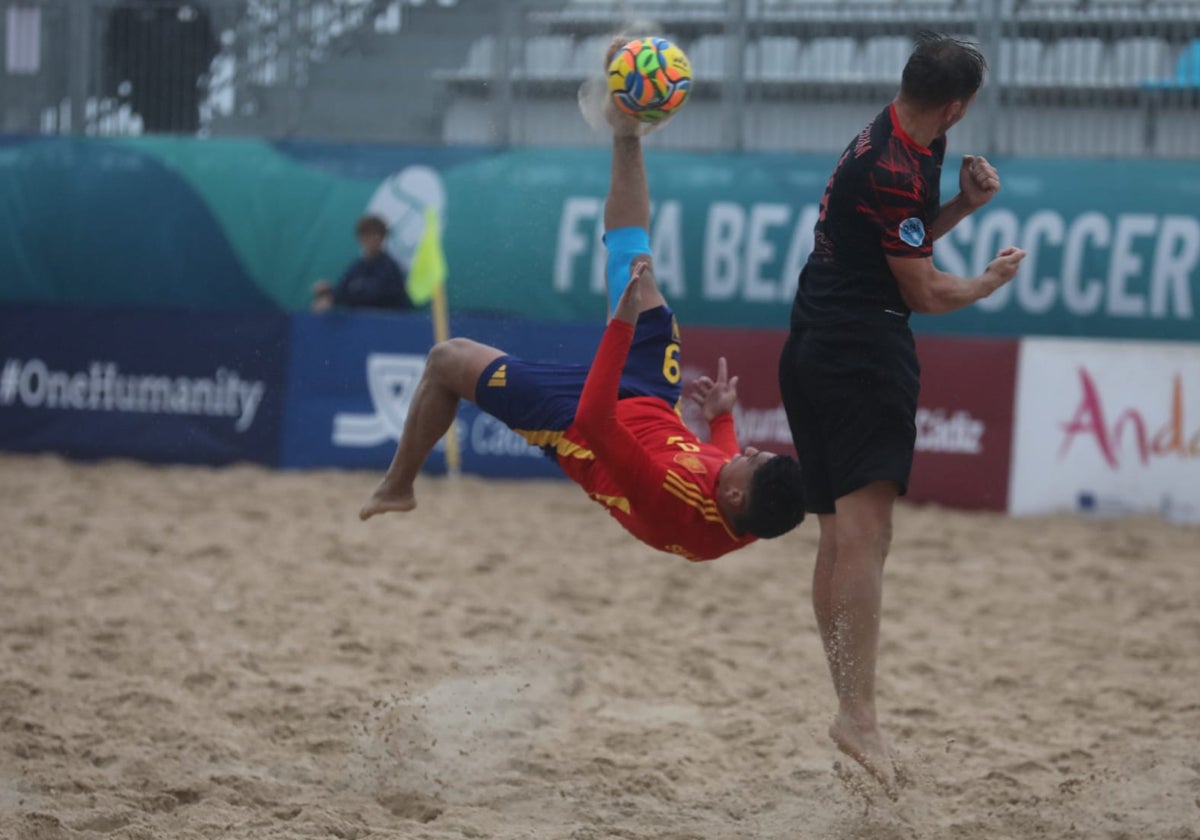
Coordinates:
(912, 231)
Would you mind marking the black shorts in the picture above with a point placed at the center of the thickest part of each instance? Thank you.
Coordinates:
(850, 392)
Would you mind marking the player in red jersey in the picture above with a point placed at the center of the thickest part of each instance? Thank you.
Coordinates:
(614, 428)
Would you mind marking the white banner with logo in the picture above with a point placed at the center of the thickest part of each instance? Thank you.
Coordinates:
(1107, 428)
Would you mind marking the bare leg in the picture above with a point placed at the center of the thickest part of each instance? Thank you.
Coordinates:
(451, 371)
(628, 203)
(863, 529)
(823, 580)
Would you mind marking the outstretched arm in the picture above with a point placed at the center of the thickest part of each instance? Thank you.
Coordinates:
(929, 291)
(627, 207)
(596, 417)
(628, 203)
(716, 400)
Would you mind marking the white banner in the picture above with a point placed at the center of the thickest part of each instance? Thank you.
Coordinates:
(1107, 427)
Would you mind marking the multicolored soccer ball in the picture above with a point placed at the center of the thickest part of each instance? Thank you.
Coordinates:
(650, 78)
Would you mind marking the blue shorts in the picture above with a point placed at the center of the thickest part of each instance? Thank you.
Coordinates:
(537, 400)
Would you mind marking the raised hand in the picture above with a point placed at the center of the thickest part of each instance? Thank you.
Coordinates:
(630, 304)
(1003, 268)
(716, 397)
(623, 125)
(978, 180)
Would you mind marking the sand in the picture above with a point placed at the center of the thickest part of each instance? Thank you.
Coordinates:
(192, 653)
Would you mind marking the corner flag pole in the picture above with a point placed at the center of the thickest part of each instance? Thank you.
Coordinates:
(427, 284)
(441, 332)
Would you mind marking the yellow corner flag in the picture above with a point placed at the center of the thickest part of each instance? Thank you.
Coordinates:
(428, 270)
(426, 283)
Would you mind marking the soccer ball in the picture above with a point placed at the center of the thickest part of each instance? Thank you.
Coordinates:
(650, 78)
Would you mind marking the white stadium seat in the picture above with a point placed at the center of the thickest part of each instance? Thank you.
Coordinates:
(479, 57)
(589, 55)
(778, 58)
(548, 56)
(778, 6)
(707, 55)
(884, 58)
(1020, 60)
(1074, 61)
(830, 60)
(1137, 60)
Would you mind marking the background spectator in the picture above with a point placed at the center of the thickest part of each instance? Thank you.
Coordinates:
(374, 281)
(160, 49)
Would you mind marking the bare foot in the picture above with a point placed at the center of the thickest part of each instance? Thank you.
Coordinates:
(623, 124)
(387, 499)
(614, 47)
(865, 746)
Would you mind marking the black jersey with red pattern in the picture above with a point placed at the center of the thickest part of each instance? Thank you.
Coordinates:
(881, 201)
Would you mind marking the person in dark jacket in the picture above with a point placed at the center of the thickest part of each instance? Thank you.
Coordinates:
(374, 281)
(156, 54)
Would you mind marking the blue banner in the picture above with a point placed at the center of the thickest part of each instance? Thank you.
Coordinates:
(352, 377)
(168, 386)
(350, 382)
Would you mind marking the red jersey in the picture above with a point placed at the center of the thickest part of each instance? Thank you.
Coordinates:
(637, 458)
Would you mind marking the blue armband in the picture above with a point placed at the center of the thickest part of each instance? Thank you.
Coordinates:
(624, 245)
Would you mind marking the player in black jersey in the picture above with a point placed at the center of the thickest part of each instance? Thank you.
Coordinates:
(849, 372)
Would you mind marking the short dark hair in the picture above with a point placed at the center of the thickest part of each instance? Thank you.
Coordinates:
(371, 224)
(941, 70)
(776, 499)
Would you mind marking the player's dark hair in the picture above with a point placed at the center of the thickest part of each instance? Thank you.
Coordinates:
(941, 70)
(776, 499)
(371, 224)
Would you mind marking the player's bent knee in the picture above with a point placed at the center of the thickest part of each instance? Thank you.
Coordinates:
(458, 362)
(446, 356)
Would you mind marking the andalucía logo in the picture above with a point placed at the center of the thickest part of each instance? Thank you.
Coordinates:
(1109, 431)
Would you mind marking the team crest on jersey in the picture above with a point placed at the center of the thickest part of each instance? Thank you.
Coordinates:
(912, 231)
(691, 463)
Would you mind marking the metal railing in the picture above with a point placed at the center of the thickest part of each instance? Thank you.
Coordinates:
(275, 46)
(1068, 77)
(161, 66)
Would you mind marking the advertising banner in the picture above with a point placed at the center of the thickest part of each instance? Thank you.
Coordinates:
(1107, 428)
(753, 357)
(964, 417)
(352, 378)
(964, 422)
(1101, 427)
(156, 385)
(247, 224)
(350, 381)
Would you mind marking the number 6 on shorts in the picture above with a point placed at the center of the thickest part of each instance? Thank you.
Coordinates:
(671, 370)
